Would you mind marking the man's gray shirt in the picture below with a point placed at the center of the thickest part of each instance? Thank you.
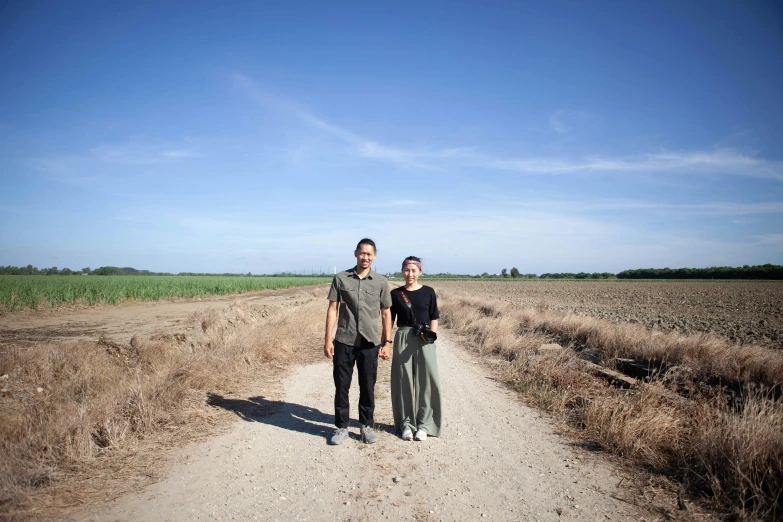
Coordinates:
(360, 302)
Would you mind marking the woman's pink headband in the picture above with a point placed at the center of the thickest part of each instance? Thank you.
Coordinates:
(412, 262)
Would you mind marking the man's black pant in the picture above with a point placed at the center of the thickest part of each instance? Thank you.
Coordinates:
(366, 359)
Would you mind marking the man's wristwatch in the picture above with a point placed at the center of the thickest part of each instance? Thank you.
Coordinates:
(386, 342)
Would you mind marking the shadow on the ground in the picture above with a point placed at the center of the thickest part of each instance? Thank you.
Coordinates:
(285, 415)
(592, 447)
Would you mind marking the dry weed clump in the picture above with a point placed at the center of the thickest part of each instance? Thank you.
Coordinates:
(740, 454)
(89, 412)
(727, 447)
(643, 427)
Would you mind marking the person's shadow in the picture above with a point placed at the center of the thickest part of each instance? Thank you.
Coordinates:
(286, 415)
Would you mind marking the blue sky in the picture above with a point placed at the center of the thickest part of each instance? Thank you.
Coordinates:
(272, 136)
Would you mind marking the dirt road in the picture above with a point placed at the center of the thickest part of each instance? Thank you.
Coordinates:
(496, 460)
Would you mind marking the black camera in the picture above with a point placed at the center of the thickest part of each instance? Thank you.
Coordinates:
(423, 330)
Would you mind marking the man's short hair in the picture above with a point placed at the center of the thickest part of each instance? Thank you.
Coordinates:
(366, 241)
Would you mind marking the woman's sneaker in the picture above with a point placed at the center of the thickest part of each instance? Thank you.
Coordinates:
(339, 436)
(407, 434)
(421, 435)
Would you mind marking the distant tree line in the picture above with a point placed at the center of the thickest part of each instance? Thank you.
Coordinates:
(515, 274)
(760, 272)
(104, 270)
(579, 275)
(767, 271)
(31, 270)
(443, 275)
(115, 270)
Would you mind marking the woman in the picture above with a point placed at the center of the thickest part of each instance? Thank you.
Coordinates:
(415, 388)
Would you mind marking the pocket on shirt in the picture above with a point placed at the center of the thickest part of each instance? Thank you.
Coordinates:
(368, 294)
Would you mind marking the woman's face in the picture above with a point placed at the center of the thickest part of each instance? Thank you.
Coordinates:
(410, 273)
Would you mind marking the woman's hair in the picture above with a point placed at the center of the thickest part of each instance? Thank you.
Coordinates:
(366, 241)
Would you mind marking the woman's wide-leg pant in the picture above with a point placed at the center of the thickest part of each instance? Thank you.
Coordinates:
(415, 388)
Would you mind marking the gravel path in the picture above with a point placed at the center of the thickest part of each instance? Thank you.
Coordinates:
(496, 460)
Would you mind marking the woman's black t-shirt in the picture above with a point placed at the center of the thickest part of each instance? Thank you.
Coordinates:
(423, 301)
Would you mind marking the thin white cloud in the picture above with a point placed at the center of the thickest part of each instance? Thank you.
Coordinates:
(556, 123)
(110, 161)
(404, 203)
(565, 121)
(85, 167)
(251, 89)
(403, 157)
(141, 153)
(362, 147)
(737, 209)
(709, 208)
(394, 203)
(719, 161)
(181, 154)
(770, 239)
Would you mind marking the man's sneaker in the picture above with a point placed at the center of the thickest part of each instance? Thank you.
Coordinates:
(407, 434)
(421, 434)
(339, 436)
(368, 437)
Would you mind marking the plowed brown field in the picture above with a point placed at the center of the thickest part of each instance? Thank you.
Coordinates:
(744, 312)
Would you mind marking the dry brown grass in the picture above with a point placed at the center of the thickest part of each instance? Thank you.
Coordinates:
(709, 356)
(106, 410)
(727, 448)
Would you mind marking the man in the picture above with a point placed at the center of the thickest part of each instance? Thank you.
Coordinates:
(355, 300)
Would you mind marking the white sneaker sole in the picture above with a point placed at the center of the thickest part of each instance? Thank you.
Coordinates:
(420, 435)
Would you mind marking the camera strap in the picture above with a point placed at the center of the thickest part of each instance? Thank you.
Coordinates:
(410, 307)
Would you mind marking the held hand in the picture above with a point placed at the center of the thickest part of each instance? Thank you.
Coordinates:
(329, 349)
(383, 353)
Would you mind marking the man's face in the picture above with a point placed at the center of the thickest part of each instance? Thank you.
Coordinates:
(364, 256)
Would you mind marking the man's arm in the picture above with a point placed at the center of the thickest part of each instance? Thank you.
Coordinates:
(386, 320)
(331, 321)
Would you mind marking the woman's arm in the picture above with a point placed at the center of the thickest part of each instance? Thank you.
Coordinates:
(434, 312)
(434, 325)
